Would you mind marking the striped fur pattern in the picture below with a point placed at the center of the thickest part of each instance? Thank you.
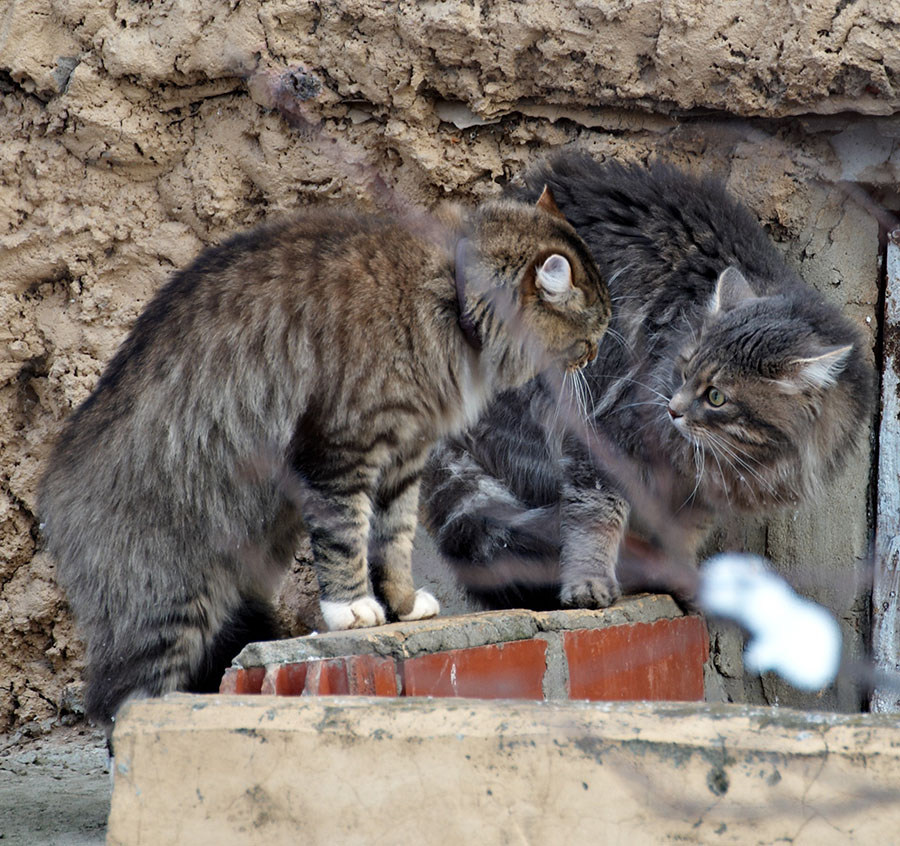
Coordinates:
(730, 382)
(293, 379)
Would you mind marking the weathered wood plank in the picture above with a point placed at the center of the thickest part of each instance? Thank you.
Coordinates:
(886, 587)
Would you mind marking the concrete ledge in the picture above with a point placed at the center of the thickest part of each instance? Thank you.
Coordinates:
(407, 640)
(269, 770)
(641, 648)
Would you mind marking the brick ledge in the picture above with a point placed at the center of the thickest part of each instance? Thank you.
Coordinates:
(641, 648)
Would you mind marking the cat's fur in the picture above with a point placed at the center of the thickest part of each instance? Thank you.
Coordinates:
(294, 378)
(701, 300)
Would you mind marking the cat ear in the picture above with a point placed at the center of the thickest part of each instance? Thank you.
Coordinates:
(731, 288)
(819, 371)
(554, 278)
(548, 204)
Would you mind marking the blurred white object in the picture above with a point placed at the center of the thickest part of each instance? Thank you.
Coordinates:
(799, 640)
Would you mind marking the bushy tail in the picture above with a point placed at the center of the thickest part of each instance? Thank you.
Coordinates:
(182, 650)
(503, 551)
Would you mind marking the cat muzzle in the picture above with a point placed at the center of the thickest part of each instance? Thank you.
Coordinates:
(585, 352)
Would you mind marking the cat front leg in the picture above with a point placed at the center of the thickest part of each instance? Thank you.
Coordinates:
(338, 525)
(390, 546)
(592, 525)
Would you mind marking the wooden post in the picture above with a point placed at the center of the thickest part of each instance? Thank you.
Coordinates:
(886, 587)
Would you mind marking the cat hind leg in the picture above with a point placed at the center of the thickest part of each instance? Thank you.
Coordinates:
(186, 646)
(251, 621)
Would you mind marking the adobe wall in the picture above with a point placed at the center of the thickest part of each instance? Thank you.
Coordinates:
(131, 135)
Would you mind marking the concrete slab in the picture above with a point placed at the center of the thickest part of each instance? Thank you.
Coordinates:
(274, 770)
(55, 788)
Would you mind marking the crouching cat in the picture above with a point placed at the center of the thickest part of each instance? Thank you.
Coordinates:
(731, 385)
(294, 379)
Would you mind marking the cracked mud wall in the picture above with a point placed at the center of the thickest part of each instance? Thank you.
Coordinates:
(131, 135)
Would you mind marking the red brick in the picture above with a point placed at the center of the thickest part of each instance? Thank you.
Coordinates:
(506, 671)
(360, 675)
(285, 679)
(661, 660)
(327, 677)
(371, 675)
(242, 681)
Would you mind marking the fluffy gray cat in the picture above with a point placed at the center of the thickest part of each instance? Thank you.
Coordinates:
(730, 383)
(291, 379)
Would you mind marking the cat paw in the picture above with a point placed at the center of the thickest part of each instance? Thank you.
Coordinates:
(359, 614)
(590, 593)
(424, 606)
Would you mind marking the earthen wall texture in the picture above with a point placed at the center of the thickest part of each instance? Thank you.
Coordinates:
(132, 135)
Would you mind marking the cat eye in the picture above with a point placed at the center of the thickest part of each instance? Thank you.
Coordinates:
(715, 397)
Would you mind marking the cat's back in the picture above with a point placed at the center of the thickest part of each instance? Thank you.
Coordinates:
(225, 352)
(654, 226)
(238, 301)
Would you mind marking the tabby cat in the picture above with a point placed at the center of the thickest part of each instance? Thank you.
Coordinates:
(726, 380)
(294, 379)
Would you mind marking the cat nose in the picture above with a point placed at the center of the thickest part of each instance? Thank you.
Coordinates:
(673, 413)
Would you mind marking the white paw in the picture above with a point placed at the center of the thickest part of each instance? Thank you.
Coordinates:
(359, 614)
(425, 606)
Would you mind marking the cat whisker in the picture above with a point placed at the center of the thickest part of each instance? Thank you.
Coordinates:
(733, 453)
(566, 395)
(574, 391)
(740, 476)
(618, 377)
(641, 428)
(659, 403)
(572, 398)
(616, 274)
(690, 327)
(740, 461)
(721, 474)
(737, 463)
(697, 442)
(736, 449)
(700, 464)
(584, 394)
(570, 401)
(616, 335)
(740, 468)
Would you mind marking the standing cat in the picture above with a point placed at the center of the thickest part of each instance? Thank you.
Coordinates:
(727, 380)
(294, 377)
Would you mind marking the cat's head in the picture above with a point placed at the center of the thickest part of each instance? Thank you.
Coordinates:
(541, 300)
(774, 390)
